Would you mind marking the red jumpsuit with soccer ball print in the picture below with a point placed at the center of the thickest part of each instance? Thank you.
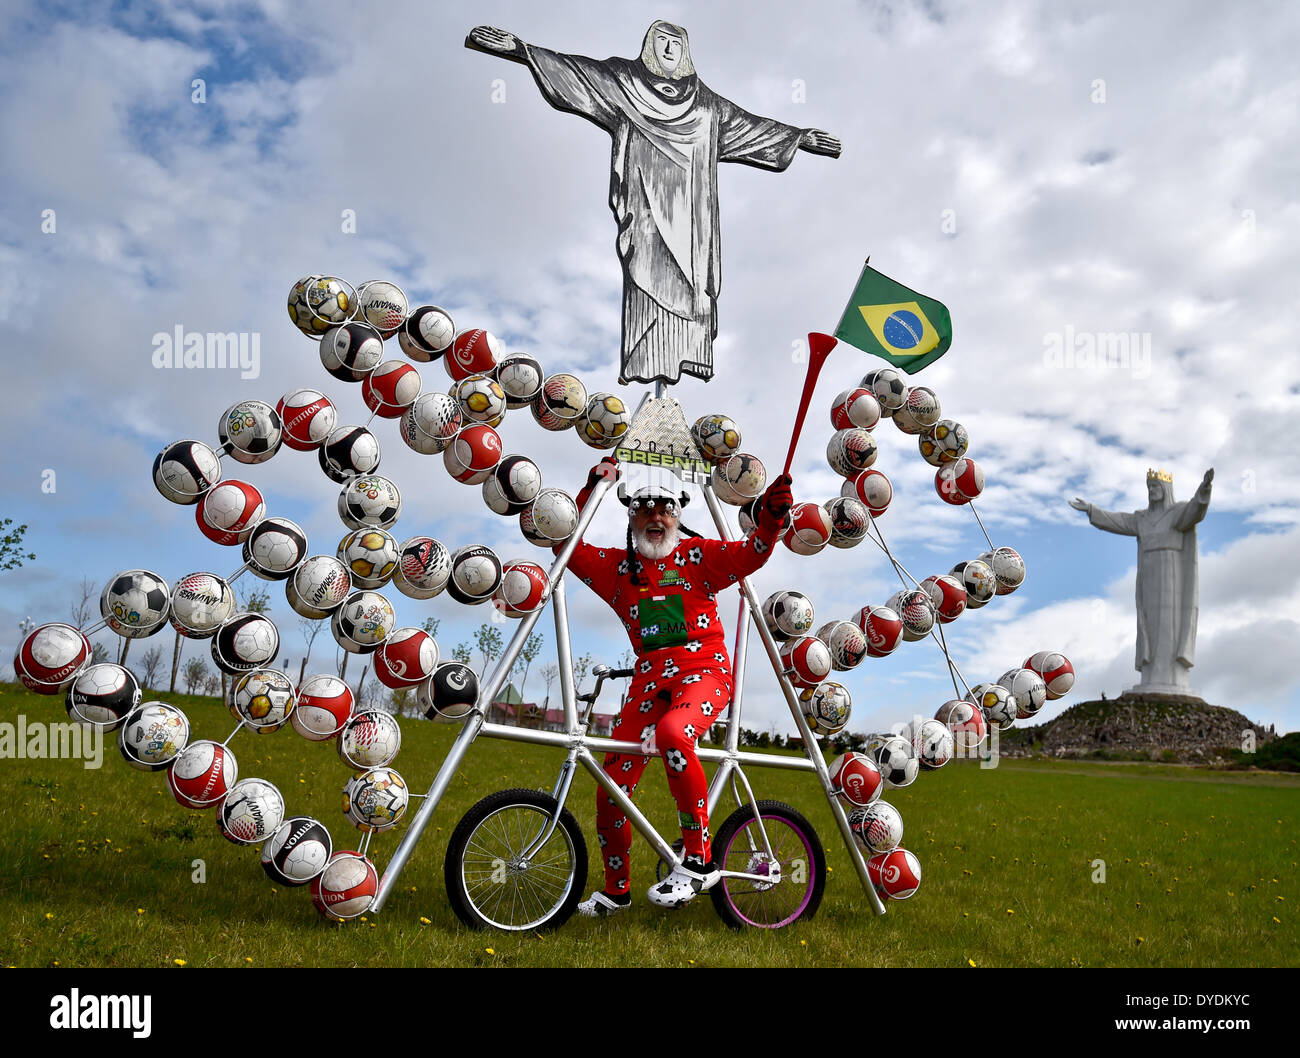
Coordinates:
(682, 680)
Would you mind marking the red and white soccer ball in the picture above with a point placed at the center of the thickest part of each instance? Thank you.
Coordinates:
(919, 412)
(370, 739)
(948, 596)
(325, 704)
(391, 388)
(810, 529)
(855, 777)
(1056, 670)
(346, 888)
(473, 352)
(806, 660)
(423, 567)
(856, 407)
(50, 656)
(877, 828)
(896, 875)
(228, 511)
(524, 588)
(851, 451)
(883, 629)
(959, 482)
(474, 453)
(966, 722)
(407, 656)
(306, 416)
(873, 489)
(202, 774)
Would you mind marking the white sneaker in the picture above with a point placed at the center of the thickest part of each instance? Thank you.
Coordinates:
(600, 906)
(682, 886)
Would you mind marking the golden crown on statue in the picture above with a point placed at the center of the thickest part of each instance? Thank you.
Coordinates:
(1160, 475)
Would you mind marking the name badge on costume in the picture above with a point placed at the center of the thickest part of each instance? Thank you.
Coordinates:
(662, 617)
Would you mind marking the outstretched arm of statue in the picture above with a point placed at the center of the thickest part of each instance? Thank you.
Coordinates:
(817, 141)
(1110, 521)
(1199, 505)
(497, 42)
(1080, 505)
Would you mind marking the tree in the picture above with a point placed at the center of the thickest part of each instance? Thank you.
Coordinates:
(98, 654)
(431, 625)
(581, 667)
(488, 641)
(82, 610)
(462, 654)
(549, 671)
(212, 685)
(11, 543)
(310, 630)
(195, 674)
(531, 648)
(150, 663)
(253, 598)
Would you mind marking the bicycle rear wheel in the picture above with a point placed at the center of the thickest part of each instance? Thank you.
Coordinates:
(492, 885)
(796, 867)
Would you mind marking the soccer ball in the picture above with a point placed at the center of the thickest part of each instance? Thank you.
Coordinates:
(810, 529)
(474, 352)
(877, 828)
(560, 403)
(524, 588)
(716, 436)
(1008, 568)
(473, 454)
(855, 408)
(896, 760)
(450, 692)
(739, 478)
(263, 699)
(959, 482)
(227, 512)
(513, 485)
(1028, 688)
(324, 705)
(848, 646)
(370, 739)
(352, 351)
(202, 774)
(346, 887)
(252, 811)
(996, 703)
(888, 386)
(427, 333)
(306, 416)
(370, 556)
(375, 799)
(872, 488)
(245, 642)
(475, 575)
(423, 567)
(521, 377)
(201, 602)
(826, 707)
(372, 501)
(318, 587)
(406, 657)
(362, 622)
(102, 696)
(50, 655)
(947, 595)
(550, 519)
(849, 521)
(348, 452)
(390, 389)
(317, 303)
(855, 777)
(135, 603)
(274, 548)
(788, 614)
(152, 735)
(932, 742)
(185, 470)
(250, 431)
(481, 399)
(943, 442)
(850, 452)
(967, 724)
(915, 610)
(896, 875)
(977, 580)
(429, 424)
(382, 305)
(806, 661)
(603, 421)
(919, 412)
(1056, 670)
(297, 852)
(883, 629)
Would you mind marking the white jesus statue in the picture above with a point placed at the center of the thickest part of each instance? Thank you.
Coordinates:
(670, 132)
(1166, 579)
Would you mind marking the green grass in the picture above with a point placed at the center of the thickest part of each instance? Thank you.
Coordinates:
(1200, 868)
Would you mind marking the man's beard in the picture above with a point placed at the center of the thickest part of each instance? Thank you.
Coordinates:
(648, 548)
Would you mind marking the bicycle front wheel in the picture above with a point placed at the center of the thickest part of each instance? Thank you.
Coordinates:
(792, 873)
(493, 879)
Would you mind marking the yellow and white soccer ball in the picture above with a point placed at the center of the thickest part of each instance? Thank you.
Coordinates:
(604, 420)
(716, 436)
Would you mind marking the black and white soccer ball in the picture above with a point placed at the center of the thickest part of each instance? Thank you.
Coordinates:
(250, 431)
(185, 470)
(427, 333)
(352, 351)
(889, 386)
(135, 603)
(247, 641)
(475, 574)
(362, 623)
(521, 377)
(895, 758)
(450, 692)
(513, 485)
(275, 548)
(297, 852)
(788, 614)
(371, 500)
(264, 699)
(348, 452)
(102, 696)
(152, 735)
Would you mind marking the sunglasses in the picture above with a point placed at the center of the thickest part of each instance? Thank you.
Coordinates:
(668, 506)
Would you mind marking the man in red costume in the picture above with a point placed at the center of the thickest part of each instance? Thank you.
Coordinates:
(663, 586)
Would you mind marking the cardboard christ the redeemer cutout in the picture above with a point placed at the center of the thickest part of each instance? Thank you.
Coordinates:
(670, 132)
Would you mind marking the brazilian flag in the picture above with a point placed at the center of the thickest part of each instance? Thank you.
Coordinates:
(887, 319)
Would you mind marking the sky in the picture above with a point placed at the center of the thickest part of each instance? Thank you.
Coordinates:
(1055, 174)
